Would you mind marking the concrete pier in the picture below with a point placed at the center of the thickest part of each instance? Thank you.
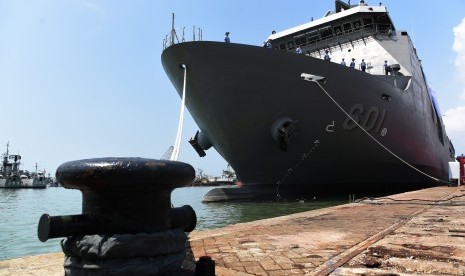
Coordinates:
(414, 233)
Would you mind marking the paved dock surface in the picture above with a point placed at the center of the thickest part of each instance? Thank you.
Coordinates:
(414, 233)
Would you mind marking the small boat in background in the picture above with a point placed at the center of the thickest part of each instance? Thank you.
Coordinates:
(12, 177)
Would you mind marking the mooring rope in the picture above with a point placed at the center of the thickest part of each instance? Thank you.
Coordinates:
(379, 143)
(177, 143)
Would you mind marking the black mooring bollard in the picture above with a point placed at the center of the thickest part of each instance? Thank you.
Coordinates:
(205, 266)
(126, 215)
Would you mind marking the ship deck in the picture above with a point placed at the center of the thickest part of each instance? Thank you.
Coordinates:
(395, 236)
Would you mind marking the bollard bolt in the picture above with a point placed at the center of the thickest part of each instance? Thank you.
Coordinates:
(205, 266)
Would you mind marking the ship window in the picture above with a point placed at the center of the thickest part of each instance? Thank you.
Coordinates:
(313, 37)
(347, 27)
(300, 41)
(290, 45)
(338, 30)
(357, 24)
(403, 33)
(367, 22)
(325, 32)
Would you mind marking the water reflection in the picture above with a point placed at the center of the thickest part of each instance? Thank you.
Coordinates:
(20, 213)
(22, 208)
(214, 215)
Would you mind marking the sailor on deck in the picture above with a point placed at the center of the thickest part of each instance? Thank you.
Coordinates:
(352, 64)
(226, 38)
(386, 68)
(327, 57)
(298, 50)
(343, 62)
(268, 44)
(363, 65)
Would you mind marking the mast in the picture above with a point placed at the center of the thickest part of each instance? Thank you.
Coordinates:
(172, 31)
(5, 160)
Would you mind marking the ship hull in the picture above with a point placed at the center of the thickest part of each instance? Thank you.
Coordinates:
(22, 184)
(238, 93)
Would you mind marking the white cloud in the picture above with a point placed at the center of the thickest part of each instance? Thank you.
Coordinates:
(459, 41)
(96, 9)
(459, 48)
(454, 120)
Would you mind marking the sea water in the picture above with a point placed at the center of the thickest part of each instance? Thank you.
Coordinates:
(20, 210)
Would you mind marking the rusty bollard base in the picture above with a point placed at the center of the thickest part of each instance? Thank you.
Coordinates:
(127, 254)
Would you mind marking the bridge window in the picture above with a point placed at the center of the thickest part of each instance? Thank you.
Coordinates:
(368, 22)
(290, 45)
(347, 27)
(313, 36)
(325, 32)
(357, 24)
(338, 30)
(300, 41)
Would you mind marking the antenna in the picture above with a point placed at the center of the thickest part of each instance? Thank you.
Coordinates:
(172, 30)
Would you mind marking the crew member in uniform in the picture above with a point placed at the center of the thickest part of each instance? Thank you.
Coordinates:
(363, 65)
(352, 64)
(386, 68)
(226, 38)
(327, 57)
(268, 44)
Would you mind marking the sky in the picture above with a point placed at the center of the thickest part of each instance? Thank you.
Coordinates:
(83, 78)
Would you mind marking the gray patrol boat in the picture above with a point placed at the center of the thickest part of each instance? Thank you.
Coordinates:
(298, 125)
(12, 177)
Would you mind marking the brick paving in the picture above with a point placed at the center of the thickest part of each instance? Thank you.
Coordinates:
(308, 243)
(386, 238)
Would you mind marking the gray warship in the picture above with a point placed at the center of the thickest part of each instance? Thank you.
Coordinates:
(12, 177)
(298, 124)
